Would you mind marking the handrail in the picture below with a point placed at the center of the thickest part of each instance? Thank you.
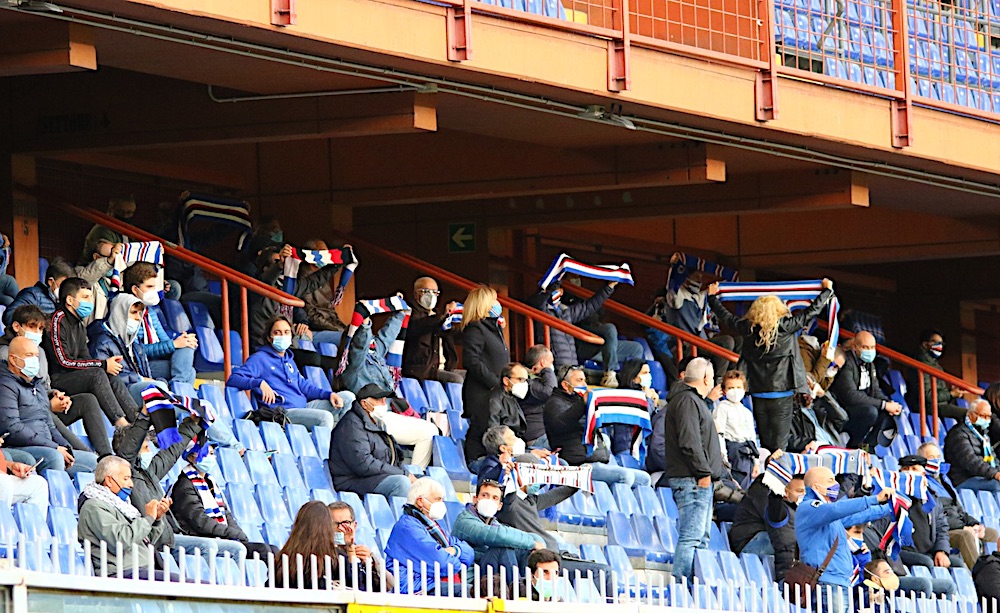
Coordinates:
(443, 275)
(629, 313)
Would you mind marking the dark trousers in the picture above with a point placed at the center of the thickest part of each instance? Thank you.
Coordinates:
(87, 408)
(112, 395)
(774, 421)
(915, 558)
(865, 423)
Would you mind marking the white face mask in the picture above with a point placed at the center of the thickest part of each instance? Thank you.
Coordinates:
(487, 508)
(646, 380)
(520, 389)
(151, 298)
(437, 511)
(428, 301)
(735, 394)
(519, 447)
(379, 411)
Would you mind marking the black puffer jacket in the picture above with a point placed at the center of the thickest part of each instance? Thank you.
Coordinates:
(484, 354)
(189, 511)
(503, 411)
(564, 415)
(362, 453)
(847, 385)
(763, 510)
(986, 574)
(781, 368)
(964, 451)
(692, 442)
(563, 345)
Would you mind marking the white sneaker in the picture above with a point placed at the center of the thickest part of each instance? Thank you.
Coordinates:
(610, 379)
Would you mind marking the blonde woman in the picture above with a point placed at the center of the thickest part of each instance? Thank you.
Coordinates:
(771, 358)
(484, 354)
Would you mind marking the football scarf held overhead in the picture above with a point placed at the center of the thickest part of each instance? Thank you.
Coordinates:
(605, 272)
(151, 252)
(616, 406)
(394, 359)
(161, 404)
(453, 320)
(364, 309)
(580, 477)
(797, 294)
(343, 256)
(682, 265)
(233, 213)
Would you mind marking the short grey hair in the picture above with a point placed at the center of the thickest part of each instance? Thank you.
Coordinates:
(921, 449)
(107, 466)
(493, 438)
(424, 487)
(698, 369)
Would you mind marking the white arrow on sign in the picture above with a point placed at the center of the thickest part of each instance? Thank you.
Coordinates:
(460, 237)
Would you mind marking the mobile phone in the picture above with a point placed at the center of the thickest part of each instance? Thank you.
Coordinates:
(3, 437)
(34, 466)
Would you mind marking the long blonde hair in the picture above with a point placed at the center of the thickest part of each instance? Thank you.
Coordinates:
(766, 313)
(477, 305)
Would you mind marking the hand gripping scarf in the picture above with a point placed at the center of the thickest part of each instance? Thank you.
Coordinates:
(343, 256)
(682, 265)
(216, 210)
(605, 272)
(580, 477)
(364, 309)
(151, 252)
(160, 404)
(455, 319)
(617, 406)
(906, 486)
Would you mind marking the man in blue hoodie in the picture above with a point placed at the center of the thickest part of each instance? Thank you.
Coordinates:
(821, 523)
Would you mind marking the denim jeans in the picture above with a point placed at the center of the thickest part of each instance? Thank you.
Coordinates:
(326, 336)
(759, 545)
(694, 516)
(394, 485)
(829, 598)
(980, 484)
(611, 474)
(84, 461)
(207, 547)
(613, 352)
(178, 368)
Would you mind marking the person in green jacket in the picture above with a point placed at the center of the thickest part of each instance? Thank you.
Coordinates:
(496, 545)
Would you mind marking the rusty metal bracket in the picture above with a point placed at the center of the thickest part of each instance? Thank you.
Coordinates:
(619, 74)
(283, 13)
(459, 32)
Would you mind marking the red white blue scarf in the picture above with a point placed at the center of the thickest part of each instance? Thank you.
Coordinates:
(364, 309)
(617, 406)
(797, 294)
(213, 503)
(233, 213)
(682, 265)
(343, 256)
(605, 272)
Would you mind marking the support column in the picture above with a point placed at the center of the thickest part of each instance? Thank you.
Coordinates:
(20, 221)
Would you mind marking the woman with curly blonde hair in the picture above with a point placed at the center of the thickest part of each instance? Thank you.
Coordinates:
(771, 358)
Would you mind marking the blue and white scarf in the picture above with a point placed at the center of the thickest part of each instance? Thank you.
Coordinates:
(682, 265)
(151, 252)
(455, 319)
(233, 213)
(605, 272)
(988, 456)
(798, 294)
(320, 257)
(364, 309)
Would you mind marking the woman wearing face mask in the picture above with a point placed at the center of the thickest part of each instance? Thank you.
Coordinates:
(418, 538)
(484, 355)
(634, 375)
(735, 425)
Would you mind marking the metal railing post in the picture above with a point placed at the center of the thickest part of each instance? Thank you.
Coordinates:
(227, 349)
(923, 407)
(901, 107)
(934, 405)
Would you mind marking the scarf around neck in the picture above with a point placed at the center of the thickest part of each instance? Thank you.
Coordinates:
(432, 527)
(211, 501)
(96, 491)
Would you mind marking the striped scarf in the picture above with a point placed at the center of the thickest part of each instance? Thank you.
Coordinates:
(845, 461)
(433, 528)
(160, 404)
(213, 503)
(233, 213)
(394, 359)
(580, 477)
(343, 256)
(455, 319)
(364, 309)
(798, 294)
(682, 265)
(900, 532)
(605, 272)
(906, 486)
(131, 253)
(988, 456)
(617, 406)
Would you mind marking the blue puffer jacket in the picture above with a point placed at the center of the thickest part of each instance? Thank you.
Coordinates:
(25, 413)
(38, 295)
(162, 348)
(411, 542)
(366, 365)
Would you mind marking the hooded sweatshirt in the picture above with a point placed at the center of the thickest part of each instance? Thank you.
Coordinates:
(114, 339)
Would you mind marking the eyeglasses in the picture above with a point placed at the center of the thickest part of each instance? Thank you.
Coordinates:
(432, 292)
(350, 523)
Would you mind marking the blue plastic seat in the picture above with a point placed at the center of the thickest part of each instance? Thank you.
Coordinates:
(620, 533)
(260, 467)
(228, 573)
(61, 490)
(9, 532)
(327, 349)
(605, 501)
(991, 510)
(414, 394)
(214, 395)
(396, 504)
(590, 513)
(248, 434)
(322, 436)
(82, 480)
(440, 475)
(286, 468)
(718, 541)
(649, 502)
(449, 456)
(30, 519)
(660, 383)
(645, 534)
(323, 495)
(360, 513)
(301, 443)
(625, 499)
(379, 512)
(667, 498)
(970, 501)
(706, 567)
(235, 346)
(315, 473)
(566, 513)
(306, 345)
(437, 399)
(174, 318)
(454, 391)
(242, 504)
(232, 466)
(458, 424)
(755, 569)
(317, 377)
(276, 534)
(295, 498)
(239, 403)
(274, 437)
(208, 357)
(62, 523)
(270, 499)
(200, 317)
(181, 388)
(591, 551)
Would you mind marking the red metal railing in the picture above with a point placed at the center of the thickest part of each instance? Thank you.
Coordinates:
(225, 274)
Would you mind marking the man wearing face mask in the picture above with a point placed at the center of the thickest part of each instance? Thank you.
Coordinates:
(968, 449)
(821, 522)
(543, 566)
(856, 388)
(417, 538)
(564, 415)
(496, 545)
(879, 580)
(931, 541)
(364, 458)
(929, 351)
(504, 409)
(106, 516)
(120, 208)
(427, 344)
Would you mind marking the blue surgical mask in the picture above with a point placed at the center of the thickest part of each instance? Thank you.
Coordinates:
(31, 367)
(278, 236)
(84, 309)
(35, 337)
(496, 310)
(833, 492)
(146, 458)
(281, 343)
(867, 356)
(980, 423)
(535, 488)
(203, 467)
(124, 493)
(131, 327)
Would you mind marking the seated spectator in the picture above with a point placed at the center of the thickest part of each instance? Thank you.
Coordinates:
(811, 422)
(169, 359)
(878, 580)
(119, 338)
(771, 359)
(986, 575)
(20, 482)
(26, 415)
(735, 425)
(564, 417)
(285, 394)
(71, 367)
(315, 290)
(541, 384)
(364, 458)
(965, 532)
(816, 362)
(418, 540)
(356, 554)
(856, 387)
(635, 374)
(968, 449)
(312, 540)
(427, 343)
(484, 353)
(931, 541)
(613, 352)
(496, 545)
(200, 510)
(120, 208)
(929, 351)
(765, 521)
(543, 566)
(549, 300)
(504, 409)
(29, 321)
(46, 295)
(107, 517)
(908, 582)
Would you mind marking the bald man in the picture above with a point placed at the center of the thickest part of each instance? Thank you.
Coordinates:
(26, 416)
(428, 346)
(821, 519)
(856, 388)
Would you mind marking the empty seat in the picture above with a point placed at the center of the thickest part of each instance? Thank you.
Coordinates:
(315, 473)
(328, 349)
(620, 533)
(459, 425)
(62, 523)
(437, 399)
(306, 345)
(215, 396)
(605, 501)
(239, 403)
(590, 551)
(322, 436)
(667, 498)
(454, 391)
(183, 388)
(232, 466)
(295, 498)
(440, 475)
(276, 534)
(718, 541)
(566, 513)
(286, 468)
(242, 504)
(30, 519)
(645, 534)
(706, 567)
(360, 513)
(272, 505)
(274, 437)
(227, 572)
(235, 346)
(590, 514)
(200, 316)
(317, 377)
(448, 455)
(302, 444)
(174, 317)
(259, 467)
(82, 480)
(666, 530)
(649, 502)
(625, 499)
(324, 495)
(379, 512)
(248, 434)
(61, 490)
(414, 394)
(208, 357)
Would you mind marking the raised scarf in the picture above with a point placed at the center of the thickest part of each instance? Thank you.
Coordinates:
(364, 309)
(160, 404)
(212, 502)
(605, 272)
(150, 252)
(682, 265)
(797, 294)
(343, 256)
(617, 406)
(216, 210)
